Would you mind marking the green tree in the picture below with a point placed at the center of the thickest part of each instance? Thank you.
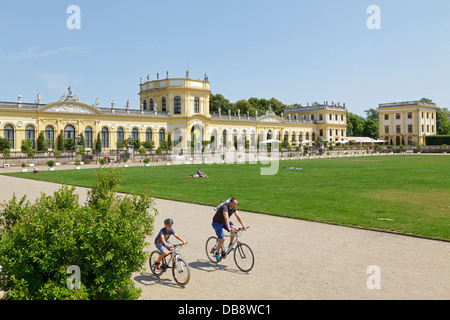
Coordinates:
(217, 101)
(41, 142)
(357, 125)
(98, 143)
(442, 121)
(370, 129)
(105, 238)
(82, 140)
(4, 144)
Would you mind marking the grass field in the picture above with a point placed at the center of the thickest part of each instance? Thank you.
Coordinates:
(405, 194)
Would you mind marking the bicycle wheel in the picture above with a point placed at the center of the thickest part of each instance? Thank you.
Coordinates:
(181, 272)
(153, 258)
(211, 247)
(243, 257)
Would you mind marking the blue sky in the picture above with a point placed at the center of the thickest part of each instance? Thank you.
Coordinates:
(295, 51)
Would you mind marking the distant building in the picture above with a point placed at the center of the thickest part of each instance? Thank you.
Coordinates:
(179, 107)
(406, 123)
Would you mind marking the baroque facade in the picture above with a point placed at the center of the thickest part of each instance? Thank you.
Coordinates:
(406, 123)
(175, 106)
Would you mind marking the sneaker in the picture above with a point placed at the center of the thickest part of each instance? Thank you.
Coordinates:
(218, 257)
(158, 266)
(232, 247)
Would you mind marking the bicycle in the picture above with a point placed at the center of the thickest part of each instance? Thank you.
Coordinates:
(243, 254)
(180, 269)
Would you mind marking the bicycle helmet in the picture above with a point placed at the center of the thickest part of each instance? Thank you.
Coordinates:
(168, 221)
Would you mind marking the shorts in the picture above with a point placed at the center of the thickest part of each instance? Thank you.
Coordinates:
(218, 227)
(160, 246)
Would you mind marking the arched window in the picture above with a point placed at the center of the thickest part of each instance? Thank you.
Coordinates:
(196, 105)
(162, 136)
(49, 137)
(164, 104)
(286, 136)
(293, 136)
(69, 132)
(145, 104)
(148, 135)
(307, 136)
(177, 105)
(29, 135)
(151, 105)
(409, 140)
(135, 134)
(224, 138)
(269, 135)
(120, 135)
(9, 135)
(313, 138)
(105, 138)
(88, 137)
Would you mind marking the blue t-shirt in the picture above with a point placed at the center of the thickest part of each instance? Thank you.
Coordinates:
(165, 233)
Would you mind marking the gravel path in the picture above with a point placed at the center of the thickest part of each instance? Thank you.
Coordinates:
(294, 259)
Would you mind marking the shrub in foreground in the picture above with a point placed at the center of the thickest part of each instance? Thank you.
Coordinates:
(105, 238)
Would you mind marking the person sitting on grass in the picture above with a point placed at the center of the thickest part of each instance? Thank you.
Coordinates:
(199, 174)
(161, 242)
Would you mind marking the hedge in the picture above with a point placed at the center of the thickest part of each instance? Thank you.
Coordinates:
(437, 140)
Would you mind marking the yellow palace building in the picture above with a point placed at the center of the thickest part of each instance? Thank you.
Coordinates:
(406, 123)
(175, 106)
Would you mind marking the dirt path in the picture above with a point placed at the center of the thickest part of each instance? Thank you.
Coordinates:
(294, 259)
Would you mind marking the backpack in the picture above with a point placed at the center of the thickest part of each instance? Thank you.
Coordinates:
(225, 202)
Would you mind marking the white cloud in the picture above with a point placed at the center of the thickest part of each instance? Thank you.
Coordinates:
(33, 52)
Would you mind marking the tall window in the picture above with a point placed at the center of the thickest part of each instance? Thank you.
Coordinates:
(196, 105)
(134, 134)
(151, 105)
(162, 136)
(88, 137)
(120, 135)
(50, 137)
(105, 138)
(29, 135)
(164, 104)
(224, 137)
(69, 132)
(9, 134)
(269, 135)
(177, 105)
(145, 104)
(148, 135)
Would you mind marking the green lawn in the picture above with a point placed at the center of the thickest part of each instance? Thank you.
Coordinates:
(411, 194)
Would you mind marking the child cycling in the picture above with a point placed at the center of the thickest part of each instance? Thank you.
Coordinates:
(161, 242)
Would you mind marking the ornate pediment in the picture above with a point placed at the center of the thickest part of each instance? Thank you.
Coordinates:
(271, 119)
(69, 107)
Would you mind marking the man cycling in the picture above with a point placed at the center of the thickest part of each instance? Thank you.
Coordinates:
(221, 220)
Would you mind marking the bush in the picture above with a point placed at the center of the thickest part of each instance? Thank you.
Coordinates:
(437, 140)
(4, 144)
(51, 163)
(105, 238)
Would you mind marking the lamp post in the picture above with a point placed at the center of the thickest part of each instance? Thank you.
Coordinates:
(321, 147)
(301, 146)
